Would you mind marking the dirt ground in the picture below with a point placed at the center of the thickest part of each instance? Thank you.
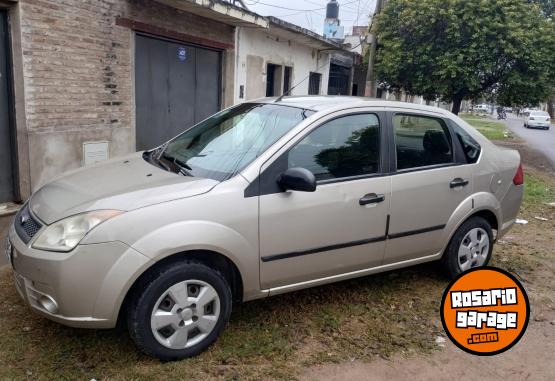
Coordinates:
(4, 225)
(531, 359)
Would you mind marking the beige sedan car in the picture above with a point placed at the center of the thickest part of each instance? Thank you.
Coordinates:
(263, 198)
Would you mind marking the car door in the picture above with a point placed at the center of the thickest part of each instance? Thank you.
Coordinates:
(429, 183)
(338, 228)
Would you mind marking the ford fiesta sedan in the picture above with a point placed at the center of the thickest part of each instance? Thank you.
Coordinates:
(263, 198)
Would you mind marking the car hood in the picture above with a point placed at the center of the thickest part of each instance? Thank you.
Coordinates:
(124, 184)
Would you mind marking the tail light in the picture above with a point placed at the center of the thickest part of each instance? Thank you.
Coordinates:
(531, 118)
(519, 176)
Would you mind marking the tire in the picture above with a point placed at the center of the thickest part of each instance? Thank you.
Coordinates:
(457, 259)
(163, 318)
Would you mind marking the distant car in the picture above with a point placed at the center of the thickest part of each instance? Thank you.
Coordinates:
(509, 109)
(527, 111)
(263, 198)
(537, 119)
(481, 108)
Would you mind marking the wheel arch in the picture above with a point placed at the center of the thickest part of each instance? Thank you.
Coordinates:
(210, 258)
(486, 213)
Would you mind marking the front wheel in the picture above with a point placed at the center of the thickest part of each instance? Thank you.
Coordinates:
(471, 246)
(179, 310)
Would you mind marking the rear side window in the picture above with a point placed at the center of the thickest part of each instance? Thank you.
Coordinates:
(470, 147)
(421, 141)
(343, 147)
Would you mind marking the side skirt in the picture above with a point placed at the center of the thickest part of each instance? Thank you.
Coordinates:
(350, 275)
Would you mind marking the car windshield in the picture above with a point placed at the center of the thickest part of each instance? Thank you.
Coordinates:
(225, 143)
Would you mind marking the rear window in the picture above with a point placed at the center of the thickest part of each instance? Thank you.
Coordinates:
(539, 113)
(421, 141)
(470, 147)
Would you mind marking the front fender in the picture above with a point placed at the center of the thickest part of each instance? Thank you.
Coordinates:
(204, 235)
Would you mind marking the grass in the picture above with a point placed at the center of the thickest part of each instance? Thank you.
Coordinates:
(489, 128)
(275, 338)
(537, 188)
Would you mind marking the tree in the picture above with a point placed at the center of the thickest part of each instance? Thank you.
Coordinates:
(461, 49)
(547, 6)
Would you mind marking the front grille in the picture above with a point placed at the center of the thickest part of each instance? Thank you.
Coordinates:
(26, 225)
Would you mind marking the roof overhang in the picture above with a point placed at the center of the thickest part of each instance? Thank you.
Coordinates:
(220, 11)
(288, 31)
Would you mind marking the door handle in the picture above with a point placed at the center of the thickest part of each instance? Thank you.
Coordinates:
(458, 182)
(371, 198)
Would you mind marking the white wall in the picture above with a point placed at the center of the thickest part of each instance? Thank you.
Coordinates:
(266, 49)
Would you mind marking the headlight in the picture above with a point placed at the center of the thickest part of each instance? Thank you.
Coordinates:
(65, 234)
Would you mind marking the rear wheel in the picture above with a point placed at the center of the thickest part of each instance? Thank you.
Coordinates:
(470, 247)
(179, 310)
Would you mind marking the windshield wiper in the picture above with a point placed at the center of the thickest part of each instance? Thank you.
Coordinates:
(184, 168)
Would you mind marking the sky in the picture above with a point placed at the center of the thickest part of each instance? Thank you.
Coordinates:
(310, 14)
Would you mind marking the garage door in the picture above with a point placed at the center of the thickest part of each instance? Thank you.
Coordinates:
(176, 86)
(6, 163)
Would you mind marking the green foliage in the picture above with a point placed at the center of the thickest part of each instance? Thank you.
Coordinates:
(457, 49)
(546, 6)
(489, 128)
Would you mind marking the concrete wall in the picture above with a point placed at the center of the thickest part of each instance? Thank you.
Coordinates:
(256, 48)
(78, 76)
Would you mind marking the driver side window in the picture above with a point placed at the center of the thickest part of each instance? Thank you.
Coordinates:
(343, 147)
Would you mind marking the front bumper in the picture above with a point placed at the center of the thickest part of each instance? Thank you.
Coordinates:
(83, 288)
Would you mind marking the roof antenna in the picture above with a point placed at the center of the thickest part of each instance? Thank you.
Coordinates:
(298, 83)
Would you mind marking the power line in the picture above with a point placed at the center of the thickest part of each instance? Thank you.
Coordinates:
(297, 9)
(290, 9)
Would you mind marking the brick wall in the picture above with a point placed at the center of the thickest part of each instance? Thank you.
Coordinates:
(78, 74)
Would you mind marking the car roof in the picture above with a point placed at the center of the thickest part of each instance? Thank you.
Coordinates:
(328, 102)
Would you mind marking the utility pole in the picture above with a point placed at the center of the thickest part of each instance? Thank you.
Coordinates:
(370, 89)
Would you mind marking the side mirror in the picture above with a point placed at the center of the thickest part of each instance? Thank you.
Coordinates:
(297, 179)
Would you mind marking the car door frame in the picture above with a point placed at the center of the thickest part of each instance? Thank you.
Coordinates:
(266, 181)
(459, 159)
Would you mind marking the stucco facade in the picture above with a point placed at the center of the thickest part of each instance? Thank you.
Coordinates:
(278, 45)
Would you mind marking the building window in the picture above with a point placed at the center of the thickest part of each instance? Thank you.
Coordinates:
(314, 83)
(287, 76)
(338, 83)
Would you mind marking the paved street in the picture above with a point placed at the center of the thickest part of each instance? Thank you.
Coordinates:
(541, 140)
